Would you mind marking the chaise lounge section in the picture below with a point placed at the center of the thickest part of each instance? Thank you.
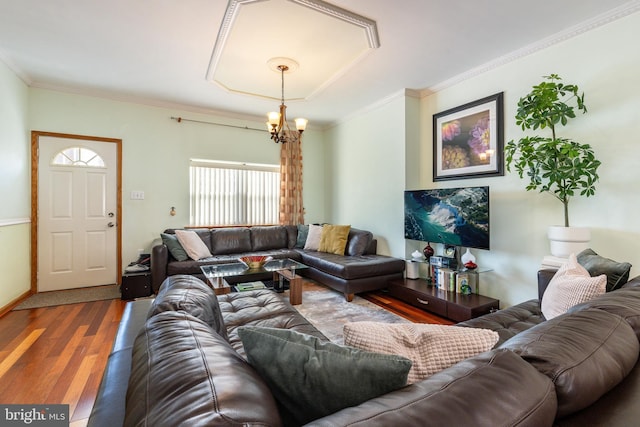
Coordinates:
(360, 269)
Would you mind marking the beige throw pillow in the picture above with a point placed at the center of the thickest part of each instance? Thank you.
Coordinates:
(431, 348)
(193, 244)
(313, 238)
(571, 285)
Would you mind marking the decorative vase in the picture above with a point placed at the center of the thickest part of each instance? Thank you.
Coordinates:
(467, 256)
(564, 241)
(428, 251)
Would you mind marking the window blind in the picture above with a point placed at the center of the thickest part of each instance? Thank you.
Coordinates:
(223, 193)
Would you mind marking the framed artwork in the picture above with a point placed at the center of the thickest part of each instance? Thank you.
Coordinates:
(468, 140)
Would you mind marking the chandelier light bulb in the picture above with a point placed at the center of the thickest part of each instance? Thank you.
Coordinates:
(301, 124)
(274, 118)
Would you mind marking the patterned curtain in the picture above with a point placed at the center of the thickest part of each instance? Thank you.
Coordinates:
(291, 206)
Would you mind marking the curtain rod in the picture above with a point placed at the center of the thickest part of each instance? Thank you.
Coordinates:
(180, 120)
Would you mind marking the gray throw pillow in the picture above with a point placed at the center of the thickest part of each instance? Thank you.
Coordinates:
(175, 248)
(303, 232)
(310, 378)
(617, 272)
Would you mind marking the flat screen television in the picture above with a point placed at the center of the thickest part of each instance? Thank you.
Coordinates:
(452, 216)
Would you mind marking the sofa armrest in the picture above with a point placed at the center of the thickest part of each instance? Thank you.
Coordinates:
(544, 277)
(159, 261)
(372, 249)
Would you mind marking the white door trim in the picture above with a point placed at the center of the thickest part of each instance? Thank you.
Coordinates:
(35, 136)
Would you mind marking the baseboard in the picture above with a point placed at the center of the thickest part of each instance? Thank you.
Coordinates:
(7, 308)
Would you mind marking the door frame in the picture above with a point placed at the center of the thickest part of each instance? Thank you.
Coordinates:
(35, 140)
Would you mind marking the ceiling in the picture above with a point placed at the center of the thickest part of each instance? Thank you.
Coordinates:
(164, 52)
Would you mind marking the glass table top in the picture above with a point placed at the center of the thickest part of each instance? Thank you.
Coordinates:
(239, 269)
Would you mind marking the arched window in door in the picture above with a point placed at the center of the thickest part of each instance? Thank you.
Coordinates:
(78, 156)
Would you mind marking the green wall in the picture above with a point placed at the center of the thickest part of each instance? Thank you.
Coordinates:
(15, 208)
(156, 151)
(604, 63)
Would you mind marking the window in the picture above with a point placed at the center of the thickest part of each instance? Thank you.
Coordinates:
(78, 156)
(229, 193)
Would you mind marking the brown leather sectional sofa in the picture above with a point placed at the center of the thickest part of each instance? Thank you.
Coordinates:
(360, 269)
(186, 366)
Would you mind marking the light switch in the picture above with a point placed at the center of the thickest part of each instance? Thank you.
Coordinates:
(137, 195)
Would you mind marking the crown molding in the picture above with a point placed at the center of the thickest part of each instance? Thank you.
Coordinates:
(591, 24)
(403, 93)
(16, 70)
(148, 102)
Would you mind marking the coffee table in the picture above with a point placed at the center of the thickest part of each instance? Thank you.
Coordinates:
(282, 269)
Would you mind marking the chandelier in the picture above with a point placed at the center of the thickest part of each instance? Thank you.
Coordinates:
(277, 124)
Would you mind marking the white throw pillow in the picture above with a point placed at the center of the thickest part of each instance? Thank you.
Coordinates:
(571, 285)
(313, 238)
(431, 348)
(193, 244)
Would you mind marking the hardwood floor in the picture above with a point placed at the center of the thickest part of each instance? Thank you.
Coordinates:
(58, 354)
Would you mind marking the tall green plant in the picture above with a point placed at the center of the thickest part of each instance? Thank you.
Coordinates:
(558, 166)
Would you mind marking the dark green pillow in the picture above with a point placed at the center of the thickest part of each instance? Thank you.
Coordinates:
(175, 248)
(310, 378)
(617, 272)
(303, 232)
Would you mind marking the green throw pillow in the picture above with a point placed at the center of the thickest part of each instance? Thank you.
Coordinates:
(303, 231)
(617, 272)
(310, 378)
(175, 248)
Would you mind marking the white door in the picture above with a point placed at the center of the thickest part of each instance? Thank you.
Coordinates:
(77, 209)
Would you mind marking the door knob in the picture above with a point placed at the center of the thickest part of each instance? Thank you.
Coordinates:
(111, 225)
(110, 214)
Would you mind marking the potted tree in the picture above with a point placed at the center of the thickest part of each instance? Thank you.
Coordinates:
(558, 166)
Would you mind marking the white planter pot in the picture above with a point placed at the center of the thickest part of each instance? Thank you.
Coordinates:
(567, 240)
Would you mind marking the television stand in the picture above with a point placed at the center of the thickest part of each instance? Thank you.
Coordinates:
(452, 305)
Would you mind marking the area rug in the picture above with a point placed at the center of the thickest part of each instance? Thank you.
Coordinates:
(328, 310)
(70, 296)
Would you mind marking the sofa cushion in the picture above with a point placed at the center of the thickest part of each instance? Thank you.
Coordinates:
(509, 321)
(265, 238)
(261, 308)
(585, 354)
(174, 247)
(183, 373)
(358, 242)
(334, 239)
(571, 285)
(233, 240)
(301, 238)
(431, 348)
(617, 272)
(310, 378)
(624, 302)
(495, 388)
(193, 244)
(353, 267)
(191, 295)
(313, 238)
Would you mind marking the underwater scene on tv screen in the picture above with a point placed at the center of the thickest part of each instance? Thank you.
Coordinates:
(453, 216)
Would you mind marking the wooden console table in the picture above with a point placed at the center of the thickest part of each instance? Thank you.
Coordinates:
(454, 306)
